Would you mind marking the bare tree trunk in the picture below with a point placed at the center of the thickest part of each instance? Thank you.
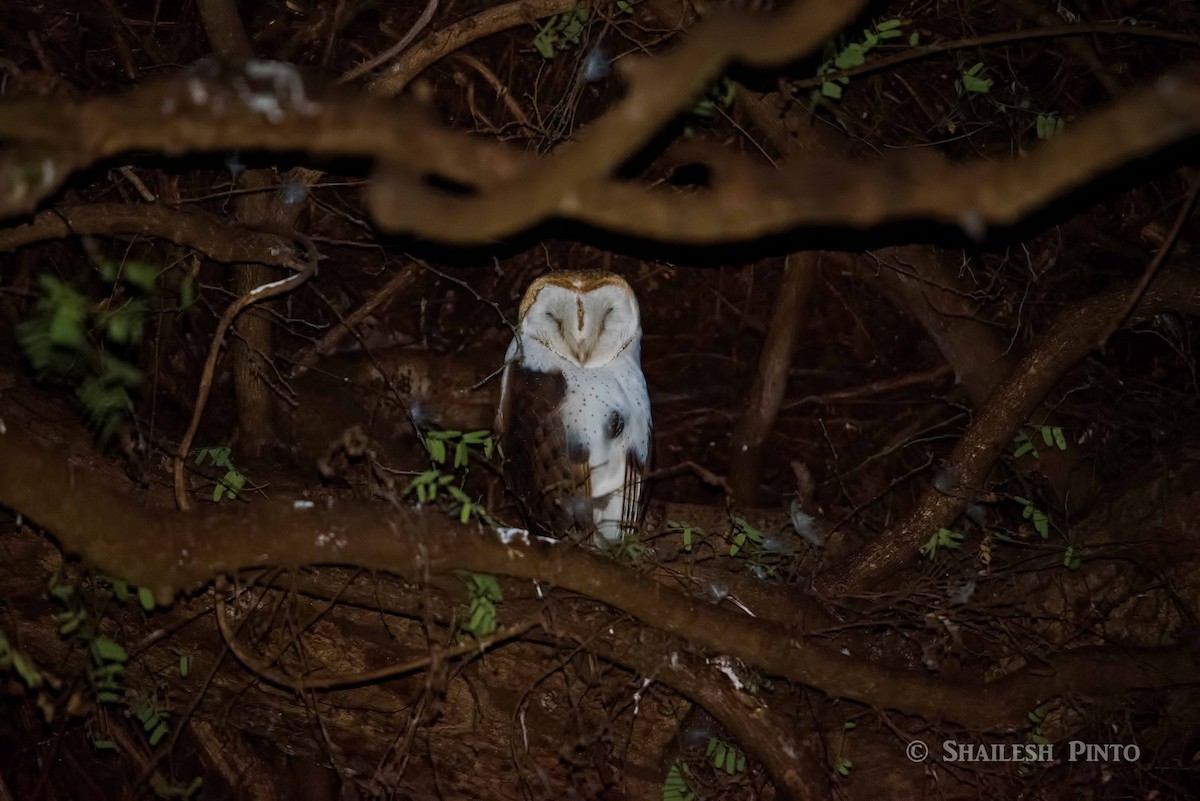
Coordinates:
(253, 349)
(770, 383)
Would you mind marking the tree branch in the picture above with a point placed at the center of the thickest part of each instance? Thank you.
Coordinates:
(212, 236)
(171, 552)
(770, 381)
(445, 41)
(210, 108)
(1072, 337)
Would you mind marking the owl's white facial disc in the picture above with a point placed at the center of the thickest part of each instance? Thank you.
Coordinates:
(589, 329)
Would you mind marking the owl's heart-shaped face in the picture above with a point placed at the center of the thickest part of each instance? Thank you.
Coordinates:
(584, 320)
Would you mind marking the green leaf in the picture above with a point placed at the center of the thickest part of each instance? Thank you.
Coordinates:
(914, 38)
(1047, 437)
(72, 621)
(730, 762)
(976, 85)
(146, 598)
(118, 371)
(234, 481)
(118, 327)
(26, 670)
(831, 90)
(143, 276)
(888, 24)
(105, 650)
(543, 42)
(160, 731)
(187, 292)
(185, 664)
(852, 56)
(59, 591)
(1060, 439)
(572, 27)
(66, 327)
(120, 590)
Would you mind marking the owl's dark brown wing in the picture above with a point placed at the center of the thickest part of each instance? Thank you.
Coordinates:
(551, 478)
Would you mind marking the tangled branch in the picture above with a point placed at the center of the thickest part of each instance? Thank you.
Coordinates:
(1072, 337)
(172, 552)
(220, 108)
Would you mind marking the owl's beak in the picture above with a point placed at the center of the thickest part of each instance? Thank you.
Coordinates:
(581, 352)
(582, 349)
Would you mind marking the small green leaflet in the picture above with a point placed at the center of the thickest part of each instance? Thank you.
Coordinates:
(1049, 126)
(675, 786)
(1041, 523)
(944, 538)
(974, 82)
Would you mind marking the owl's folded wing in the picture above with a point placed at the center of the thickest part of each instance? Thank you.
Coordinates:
(636, 495)
(550, 478)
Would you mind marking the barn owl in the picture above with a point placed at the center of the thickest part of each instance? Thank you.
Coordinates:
(574, 416)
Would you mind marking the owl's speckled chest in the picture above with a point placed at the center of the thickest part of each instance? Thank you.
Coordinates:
(607, 408)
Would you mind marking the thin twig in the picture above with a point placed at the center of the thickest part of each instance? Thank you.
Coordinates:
(367, 676)
(394, 50)
(877, 387)
(1164, 251)
(1008, 37)
(256, 295)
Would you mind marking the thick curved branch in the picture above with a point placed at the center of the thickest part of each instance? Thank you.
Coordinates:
(1072, 337)
(747, 200)
(196, 229)
(212, 108)
(175, 552)
(658, 89)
